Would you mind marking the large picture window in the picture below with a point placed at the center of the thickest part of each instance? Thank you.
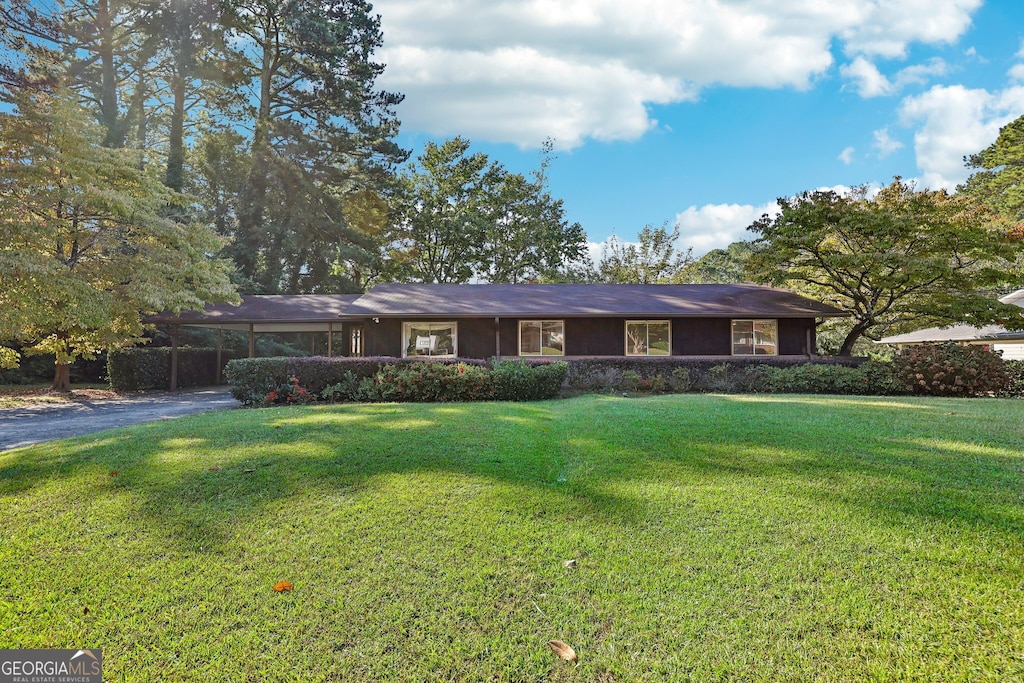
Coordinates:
(648, 338)
(755, 337)
(430, 340)
(541, 337)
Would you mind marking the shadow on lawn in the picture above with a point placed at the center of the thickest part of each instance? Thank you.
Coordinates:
(590, 457)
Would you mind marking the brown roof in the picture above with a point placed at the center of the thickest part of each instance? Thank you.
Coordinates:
(430, 300)
(268, 313)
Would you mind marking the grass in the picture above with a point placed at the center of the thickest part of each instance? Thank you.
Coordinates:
(717, 538)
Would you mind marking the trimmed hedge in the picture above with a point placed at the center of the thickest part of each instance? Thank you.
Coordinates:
(251, 379)
(869, 379)
(408, 379)
(397, 379)
(146, 368)
(683, 374)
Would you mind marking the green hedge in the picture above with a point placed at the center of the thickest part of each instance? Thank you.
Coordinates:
(683, 374)
(396, 379)
(147, 368)
(1015, 387)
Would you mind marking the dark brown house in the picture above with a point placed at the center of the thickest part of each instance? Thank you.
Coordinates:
(484, 321)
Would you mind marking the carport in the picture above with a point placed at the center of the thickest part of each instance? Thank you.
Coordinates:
(268, 313)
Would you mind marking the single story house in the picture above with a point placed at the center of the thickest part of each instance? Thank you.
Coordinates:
(529, 320)
(995, 337)
(487, 320)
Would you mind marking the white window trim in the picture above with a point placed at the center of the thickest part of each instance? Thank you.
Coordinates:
(407, 329)
(541, 354)
(625, 332)
(732, 337)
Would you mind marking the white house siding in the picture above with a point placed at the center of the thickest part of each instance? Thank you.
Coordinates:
(1010, 351)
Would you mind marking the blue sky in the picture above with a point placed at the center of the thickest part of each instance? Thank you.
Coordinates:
(703, 112)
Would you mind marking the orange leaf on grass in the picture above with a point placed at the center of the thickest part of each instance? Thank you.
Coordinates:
(282, 586)
(563, 650)
(114, 473)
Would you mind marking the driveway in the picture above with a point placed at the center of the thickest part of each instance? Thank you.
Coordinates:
(40, 423)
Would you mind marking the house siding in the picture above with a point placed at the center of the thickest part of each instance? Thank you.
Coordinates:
(590, 336)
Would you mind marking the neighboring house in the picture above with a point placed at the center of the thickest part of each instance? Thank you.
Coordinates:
(995, 337)
(484, 321)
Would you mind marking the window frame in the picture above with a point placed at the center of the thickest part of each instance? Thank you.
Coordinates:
(407, 332)
(647, 344)
(541, 354)
(753, 336)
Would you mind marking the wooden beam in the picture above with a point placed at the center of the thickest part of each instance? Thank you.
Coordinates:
(330, 340)
(174, 357)
(252, 341)
(220, 346)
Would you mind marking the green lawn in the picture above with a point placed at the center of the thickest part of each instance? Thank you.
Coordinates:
(740, 538)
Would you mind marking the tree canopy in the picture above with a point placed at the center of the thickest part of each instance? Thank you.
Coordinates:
(462, 216)
(86, 247)
(901, 257)
(999, 181)
(653, 259)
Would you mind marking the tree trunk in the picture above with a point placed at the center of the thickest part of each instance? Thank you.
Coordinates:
(108, 85)
(856, 333)
(175, 177)
(62, 378)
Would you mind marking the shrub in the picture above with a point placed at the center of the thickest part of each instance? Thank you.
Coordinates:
(428, 381)
(141, 368)
(631, 380)
(680, 380)
(951, 370)
(517, 380)
(347, 390)
(1015, 387)
(252, 378)
(289, 393)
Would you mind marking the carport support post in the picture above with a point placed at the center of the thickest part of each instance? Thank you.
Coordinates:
(252, 341)
(174, 357)
(497, 339)
(220, 346)
(330, 340)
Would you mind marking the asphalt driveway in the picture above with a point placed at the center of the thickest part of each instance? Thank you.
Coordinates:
(40, 423)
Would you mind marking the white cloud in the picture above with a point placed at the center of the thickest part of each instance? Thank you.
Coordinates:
(884, 145)
(522, 70)
(870, 82)
(846, 156)
(716, 226)
(1016, 73)
(954, 121)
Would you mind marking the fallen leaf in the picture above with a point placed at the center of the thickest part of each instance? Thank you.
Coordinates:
(85, 610)
(114, 473)
(282, 586)
(569, 564)
(563, 650)
(215, 468)
(249, 469)
(277, 426)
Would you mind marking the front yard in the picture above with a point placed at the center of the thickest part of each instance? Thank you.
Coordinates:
(737, 538)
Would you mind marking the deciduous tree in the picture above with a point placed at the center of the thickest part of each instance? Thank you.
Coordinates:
(902, 257)
(84, 248)
(653, 260)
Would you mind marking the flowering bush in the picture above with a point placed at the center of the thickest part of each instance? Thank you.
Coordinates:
(951, 370)
(427, 381)
(288, 393)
